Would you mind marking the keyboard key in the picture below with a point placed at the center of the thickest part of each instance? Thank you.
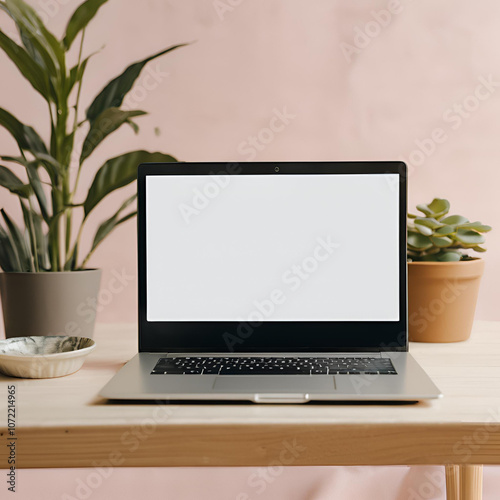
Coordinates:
(168, 371)
(319, 371)
(211, 371)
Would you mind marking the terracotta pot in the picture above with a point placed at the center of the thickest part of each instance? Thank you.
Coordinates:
(442, 299)
(49, 303)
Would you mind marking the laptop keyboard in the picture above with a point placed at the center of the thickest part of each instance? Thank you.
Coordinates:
(183, 365)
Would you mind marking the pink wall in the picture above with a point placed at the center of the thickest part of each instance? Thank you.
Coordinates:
(419, 65)
(372, 102)
(244, 483)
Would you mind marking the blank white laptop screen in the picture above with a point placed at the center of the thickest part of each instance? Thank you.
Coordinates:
(272, 247)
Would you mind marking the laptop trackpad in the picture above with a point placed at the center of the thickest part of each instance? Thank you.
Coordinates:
(274, 384)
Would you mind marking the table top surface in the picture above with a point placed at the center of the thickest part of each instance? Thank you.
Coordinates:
(468, 374)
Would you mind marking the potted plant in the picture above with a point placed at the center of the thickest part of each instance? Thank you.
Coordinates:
(45, 280)
(443, 278)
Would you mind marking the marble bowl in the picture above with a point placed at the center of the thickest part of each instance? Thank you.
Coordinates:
(43, 356)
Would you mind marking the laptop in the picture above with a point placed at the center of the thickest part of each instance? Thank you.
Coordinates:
(274, 283)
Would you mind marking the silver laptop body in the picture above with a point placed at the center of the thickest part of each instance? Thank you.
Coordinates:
(273, 283)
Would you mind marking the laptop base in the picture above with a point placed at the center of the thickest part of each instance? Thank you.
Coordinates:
(135, 382)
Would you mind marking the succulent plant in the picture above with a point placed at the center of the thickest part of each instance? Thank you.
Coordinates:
(440, 237)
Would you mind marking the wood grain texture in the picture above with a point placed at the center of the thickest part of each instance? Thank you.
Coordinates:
(471, 482)
(452, 473)
(63, 423)
(246, 445)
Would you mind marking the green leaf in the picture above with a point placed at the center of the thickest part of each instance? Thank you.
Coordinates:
(477, 226)
(449, 257)
(54, 221)
(40, 44)
(108, 225)
(26, 137)
(442, 242)
(29, 37)
(428, 222)
(50, 164)
(28, 223)
(53, 234)
(419, 241)
(15, 159)
(18, 243)
(36, 184)
(73, 75)
(114, 92)
(27, 18)
(436, 208)
(35, 52)
(53, 140)
(80, 19)
(134, 126)
(12, 182)
(454, 220)
(42, 244)
(469, 237)
(427, 257)
(8, 258)
(479, 249)
(26, 65)
(427, 231)
(106, 123)
(70, 264)
(118, 172)
(76, 73)
(445, 230)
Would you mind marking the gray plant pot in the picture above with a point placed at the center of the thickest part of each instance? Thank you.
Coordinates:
(62, 303)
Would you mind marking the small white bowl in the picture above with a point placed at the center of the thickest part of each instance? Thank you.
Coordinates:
(44, 356)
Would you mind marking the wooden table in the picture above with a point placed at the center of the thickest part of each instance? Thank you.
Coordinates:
(64, 423)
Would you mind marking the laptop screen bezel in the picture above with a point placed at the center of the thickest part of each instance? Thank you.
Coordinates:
(272, 336)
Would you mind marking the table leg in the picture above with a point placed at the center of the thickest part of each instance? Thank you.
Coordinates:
(471, 482)
(452, 482)
(464, 482)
